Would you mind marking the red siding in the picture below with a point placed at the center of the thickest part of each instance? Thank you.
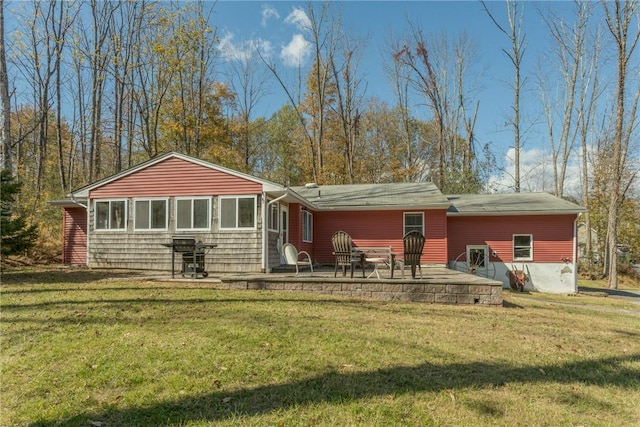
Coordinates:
(552, 235)
(368, 228)
(176, 177)
(435, 246)
(74, 229)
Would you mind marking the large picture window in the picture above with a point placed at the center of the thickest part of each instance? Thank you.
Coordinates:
(522, 247)
(414, 221)
(193, 213)
(110, 214)
(307, 226)
(150, 214)
(238, 212)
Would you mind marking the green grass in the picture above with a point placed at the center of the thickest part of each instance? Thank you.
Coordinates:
(79, 348)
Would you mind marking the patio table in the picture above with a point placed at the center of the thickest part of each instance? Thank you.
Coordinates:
(377, 256)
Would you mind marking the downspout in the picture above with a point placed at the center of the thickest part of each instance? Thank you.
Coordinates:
(575, 254)
(265, 230)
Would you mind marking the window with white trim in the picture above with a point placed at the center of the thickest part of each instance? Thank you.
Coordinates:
(193, 213)
(523, 247)
(414, 221)
(238, 212)
(307, 226)
(273, 217)
(150, 214)
(110, 214)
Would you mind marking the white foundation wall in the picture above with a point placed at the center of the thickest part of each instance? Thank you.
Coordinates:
(553, 278)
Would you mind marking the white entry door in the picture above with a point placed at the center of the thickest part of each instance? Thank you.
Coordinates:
(284, 229)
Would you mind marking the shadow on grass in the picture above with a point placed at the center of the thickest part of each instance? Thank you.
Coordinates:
(611, 292)
(340, 388)
(35, 276)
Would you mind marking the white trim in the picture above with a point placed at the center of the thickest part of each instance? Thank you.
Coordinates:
(513, 247)
(485, 248)
(306, 212)
(516, 213)
(270, 206)
(109, 228)
(150, 199)
(192, 198)
(237, 197)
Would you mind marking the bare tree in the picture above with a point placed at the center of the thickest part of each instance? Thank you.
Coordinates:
(517, 40)
(438, 71)
(619, 16)
(348, 98)
(5, 100)
(59, 27)
(399, 76)
(589, 92)
(568, 55)
(323, 28)
(249, 82)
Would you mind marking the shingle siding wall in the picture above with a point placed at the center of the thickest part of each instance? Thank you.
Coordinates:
(236, 251)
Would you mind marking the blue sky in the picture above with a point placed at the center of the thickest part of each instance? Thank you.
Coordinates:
(273, 24)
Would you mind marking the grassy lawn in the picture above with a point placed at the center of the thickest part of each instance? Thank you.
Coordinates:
(82, 349)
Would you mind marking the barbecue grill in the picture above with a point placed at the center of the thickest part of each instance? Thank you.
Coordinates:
(193, 256)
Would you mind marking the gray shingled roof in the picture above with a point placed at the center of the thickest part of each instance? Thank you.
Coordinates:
(513, 203)
(371, 196)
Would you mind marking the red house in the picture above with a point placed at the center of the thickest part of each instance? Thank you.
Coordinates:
(124, 220)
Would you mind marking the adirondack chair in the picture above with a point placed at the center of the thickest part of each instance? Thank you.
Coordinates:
(413, 243)
(343, 251)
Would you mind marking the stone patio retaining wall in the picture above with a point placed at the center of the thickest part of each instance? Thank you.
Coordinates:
(487, 293)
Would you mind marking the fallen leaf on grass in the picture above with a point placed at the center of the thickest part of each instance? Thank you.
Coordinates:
(96, 423)
(226, 400)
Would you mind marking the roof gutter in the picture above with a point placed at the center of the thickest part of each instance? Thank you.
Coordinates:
(515, 213)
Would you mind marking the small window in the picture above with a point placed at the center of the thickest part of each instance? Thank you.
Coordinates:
(307, 226)
(414, 221)
(150, 214)
(110, 214)
(477, 256)
(273, 217)
(522, 247)
(193, 213)
(238, 212)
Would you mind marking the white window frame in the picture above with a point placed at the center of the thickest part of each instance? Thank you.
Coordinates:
(237, 198)
(274, 216)
(404, 222)
(108, 227)
(513, 244)
(193, 198)
(307, 226)
(151, 200)
(485, 249)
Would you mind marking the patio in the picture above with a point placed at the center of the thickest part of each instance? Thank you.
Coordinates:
(438, 285)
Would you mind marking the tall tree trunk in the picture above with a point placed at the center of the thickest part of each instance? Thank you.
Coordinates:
(5, 99)
(619, 23)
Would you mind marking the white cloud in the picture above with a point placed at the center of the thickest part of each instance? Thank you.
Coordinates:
(268, 12)
(299, 18)
(295, 53)
(232, 51)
